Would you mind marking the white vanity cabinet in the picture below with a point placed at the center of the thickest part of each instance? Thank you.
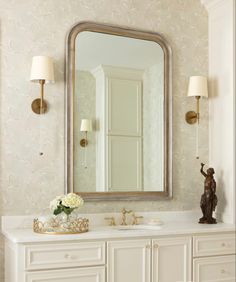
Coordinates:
(129, 260)
(158, 260)
(89, 274)
(172, 259)
(116, 256)
(214, 258)
(55, 262)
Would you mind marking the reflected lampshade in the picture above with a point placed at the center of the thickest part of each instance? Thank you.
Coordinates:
(42, 69)
(86, 125)
(198, 86)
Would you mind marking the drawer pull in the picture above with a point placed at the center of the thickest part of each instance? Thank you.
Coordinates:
(67, 256)
(155, 246)
(223, 245)
(223, 271)
(148, 246)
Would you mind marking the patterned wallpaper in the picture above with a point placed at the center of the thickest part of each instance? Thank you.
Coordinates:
(153, 102)
(84, 107)
(33, 27)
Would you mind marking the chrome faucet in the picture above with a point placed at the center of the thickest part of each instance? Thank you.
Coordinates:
(123, 218)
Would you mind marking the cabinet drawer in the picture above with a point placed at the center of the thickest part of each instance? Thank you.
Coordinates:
(91, 274)
(217, 269)
(222, 244)
(47, 256)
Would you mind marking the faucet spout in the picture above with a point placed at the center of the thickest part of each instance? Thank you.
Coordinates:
(123, 218)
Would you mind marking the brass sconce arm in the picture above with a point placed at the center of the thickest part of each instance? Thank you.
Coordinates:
(84, 142)
(39, 106)
(192, 117)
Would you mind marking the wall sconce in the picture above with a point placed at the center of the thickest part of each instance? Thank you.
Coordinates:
(198, 88)
(86, 125)
(41, 72)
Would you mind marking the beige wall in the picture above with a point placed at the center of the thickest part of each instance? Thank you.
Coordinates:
(85, 103)
(32, 27)
(153, 101)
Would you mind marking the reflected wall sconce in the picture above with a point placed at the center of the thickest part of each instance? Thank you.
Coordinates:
(41, 72)
(86, 126)
(197, 88)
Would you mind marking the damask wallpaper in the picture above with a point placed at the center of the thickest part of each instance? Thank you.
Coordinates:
(36, 27)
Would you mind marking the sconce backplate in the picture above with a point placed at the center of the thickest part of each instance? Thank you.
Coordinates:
(83, 142)
(36, 106)
(191, 117)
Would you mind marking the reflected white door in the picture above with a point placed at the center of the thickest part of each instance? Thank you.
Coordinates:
(124, 163)
(129, 261)
(124, 107)
(124, 134)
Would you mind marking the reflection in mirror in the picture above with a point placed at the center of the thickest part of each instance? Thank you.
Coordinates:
(119, 86)
(119, 114)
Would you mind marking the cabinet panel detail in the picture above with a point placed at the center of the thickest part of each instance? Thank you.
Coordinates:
(217, 269)
(92, 274)
(222, 244)
(172, 260)
(129, 261)
(46, 256)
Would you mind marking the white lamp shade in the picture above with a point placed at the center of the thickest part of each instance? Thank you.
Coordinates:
(198, 86)
(86, 125)
(42, 69)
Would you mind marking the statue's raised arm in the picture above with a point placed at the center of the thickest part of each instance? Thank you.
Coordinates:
(202, 171)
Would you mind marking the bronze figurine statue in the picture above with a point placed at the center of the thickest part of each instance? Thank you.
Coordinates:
(209, 199)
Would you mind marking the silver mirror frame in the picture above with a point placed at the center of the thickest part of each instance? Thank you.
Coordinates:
(69, 121)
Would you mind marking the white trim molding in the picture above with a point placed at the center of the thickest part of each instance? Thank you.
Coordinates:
(221, 17)
(212, 4)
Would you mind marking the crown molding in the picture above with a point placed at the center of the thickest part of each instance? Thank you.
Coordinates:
(212, 4)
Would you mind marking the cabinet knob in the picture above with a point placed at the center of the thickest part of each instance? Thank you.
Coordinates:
(67, 256)
(223, 244)
(148, 246)
(155, 246)
(223, 271)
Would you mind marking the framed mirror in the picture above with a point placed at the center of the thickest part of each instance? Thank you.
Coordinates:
(119, 113)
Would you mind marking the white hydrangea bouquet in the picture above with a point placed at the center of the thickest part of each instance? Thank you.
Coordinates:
(62, 221)
(66, 203)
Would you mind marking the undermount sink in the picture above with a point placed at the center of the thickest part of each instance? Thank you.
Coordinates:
(138, 227)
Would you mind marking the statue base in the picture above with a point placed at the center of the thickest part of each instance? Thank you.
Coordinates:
(204, 220)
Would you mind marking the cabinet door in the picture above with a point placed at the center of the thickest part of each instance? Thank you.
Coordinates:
(129, 261)
(172, 260)
(92, 274)
(217, 269)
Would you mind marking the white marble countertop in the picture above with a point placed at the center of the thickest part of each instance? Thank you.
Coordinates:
(26, 235)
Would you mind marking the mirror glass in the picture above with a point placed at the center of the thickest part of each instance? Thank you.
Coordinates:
(120, 140)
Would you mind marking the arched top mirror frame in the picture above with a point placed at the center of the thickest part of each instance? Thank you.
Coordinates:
(69, 130)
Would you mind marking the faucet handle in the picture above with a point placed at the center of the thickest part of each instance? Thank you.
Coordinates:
(124, 211)
(112, 221)
(136, 218)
